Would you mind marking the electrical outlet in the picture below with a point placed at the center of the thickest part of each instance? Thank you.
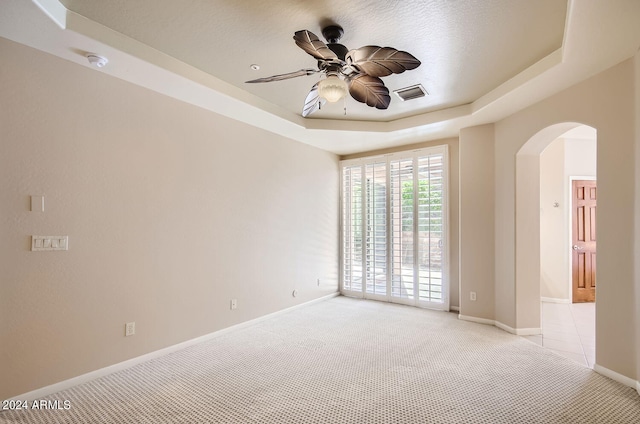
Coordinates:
(130, 329)
(234, 304)
(472, 296)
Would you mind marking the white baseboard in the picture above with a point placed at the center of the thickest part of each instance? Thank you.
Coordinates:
(519, 331)
(528, 331)
(505, 327)
(554, 300)
(66, 384)
(617, 377)
(476, 319)
(516, 331)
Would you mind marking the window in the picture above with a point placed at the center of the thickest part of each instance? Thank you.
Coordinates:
(394, 228)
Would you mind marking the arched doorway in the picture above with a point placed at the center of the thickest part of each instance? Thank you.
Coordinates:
(545, 167)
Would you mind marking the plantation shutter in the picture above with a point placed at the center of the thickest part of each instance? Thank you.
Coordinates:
(394, 228)
(402, 196)
(430, 227)
(376, 228)
(352, 220)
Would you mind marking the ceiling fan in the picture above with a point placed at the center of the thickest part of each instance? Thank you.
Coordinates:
(357, 71)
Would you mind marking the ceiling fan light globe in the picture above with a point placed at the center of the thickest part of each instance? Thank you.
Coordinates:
(332, 89)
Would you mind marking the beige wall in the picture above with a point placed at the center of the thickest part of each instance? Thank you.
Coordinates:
(553, 228)
(477, 222)
(171, 211)
(580, 157)
(452, 144)
(606, 103)
(527, 242)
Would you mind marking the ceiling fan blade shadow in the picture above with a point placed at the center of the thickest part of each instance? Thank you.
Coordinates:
(369, 90)
(381, 61)
(313, 102)
(311, 44)
(300, 73)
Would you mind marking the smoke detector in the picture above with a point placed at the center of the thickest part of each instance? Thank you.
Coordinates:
(97, 61)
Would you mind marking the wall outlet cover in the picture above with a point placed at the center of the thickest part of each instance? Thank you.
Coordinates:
(130, 329)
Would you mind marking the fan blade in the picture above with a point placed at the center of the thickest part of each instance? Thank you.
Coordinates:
(369, 90)
(311, 44)
(300, 73)
(381, 61)
(312, 102)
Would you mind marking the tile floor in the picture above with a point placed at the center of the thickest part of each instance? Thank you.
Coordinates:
(569, 330)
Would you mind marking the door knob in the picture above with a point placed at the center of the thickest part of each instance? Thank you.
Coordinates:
(575, 247)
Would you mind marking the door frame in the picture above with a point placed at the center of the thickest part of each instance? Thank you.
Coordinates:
(569, 235)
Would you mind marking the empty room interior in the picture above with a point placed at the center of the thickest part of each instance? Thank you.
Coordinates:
(362, 211)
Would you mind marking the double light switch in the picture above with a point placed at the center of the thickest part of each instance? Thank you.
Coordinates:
(49, 243)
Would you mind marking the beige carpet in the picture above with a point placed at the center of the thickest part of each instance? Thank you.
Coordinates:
(351, 361)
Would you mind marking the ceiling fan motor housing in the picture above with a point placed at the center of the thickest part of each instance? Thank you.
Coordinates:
(340, 50)
(333, 34)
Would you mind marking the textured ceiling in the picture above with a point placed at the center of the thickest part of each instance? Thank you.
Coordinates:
(467, 47)
(482, 60)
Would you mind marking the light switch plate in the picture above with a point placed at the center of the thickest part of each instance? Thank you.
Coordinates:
(37, 203)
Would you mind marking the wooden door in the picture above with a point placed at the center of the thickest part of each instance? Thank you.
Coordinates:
(584, 240)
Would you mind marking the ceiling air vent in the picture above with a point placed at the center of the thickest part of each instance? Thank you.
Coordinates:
(413, 92)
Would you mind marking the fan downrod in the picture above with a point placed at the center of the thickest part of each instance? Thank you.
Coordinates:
(332, 33)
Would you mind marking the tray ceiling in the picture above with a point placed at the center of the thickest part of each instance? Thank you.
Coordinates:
(467, 47)
(482, 60)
